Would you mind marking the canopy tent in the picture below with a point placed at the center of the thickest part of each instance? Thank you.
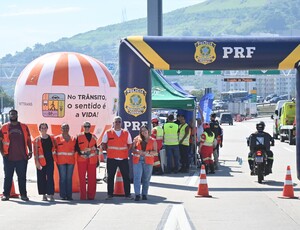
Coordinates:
(164, 96)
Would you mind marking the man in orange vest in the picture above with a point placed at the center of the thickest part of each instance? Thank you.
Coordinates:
(117, 142)
(16, 149)
(86, 147)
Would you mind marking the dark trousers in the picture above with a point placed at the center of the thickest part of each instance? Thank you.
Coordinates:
(112, 165)
(184, 156)
(45, 180)
(21, 170)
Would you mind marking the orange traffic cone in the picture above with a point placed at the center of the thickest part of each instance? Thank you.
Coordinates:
(288, 190)
(119, 185)
(203, 188)
(101, 157)
(13, 193)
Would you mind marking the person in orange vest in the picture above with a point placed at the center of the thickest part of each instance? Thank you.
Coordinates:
(117, 142)
(86, 147)
(43, 146)
(144, 148)
(65, 160)
(157, 133)
(206, 147)
(16, 149)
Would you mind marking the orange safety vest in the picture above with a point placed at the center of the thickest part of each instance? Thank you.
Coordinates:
(65, 151)
(85, 144)
(149, 158)
(38, 149)
(117, 146)
(6, 140)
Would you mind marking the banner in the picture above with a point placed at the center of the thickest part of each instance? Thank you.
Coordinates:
(205, 105)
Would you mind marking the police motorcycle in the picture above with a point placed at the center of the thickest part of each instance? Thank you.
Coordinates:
(258, 152)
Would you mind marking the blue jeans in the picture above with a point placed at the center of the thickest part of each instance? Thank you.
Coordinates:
(65, 180)
(21, 170)
(172, 152)
(141, 175)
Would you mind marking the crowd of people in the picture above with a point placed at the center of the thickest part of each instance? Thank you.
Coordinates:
(178, 138)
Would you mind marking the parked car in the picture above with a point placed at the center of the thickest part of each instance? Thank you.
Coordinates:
(259, 99)
(226, 118)
(274, 100)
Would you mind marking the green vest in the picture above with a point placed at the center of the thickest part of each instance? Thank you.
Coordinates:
(182, 133)
(209, 141)
(171, 134)
(159, 132)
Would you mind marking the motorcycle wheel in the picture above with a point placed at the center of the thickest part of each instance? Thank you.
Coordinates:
(260, 173)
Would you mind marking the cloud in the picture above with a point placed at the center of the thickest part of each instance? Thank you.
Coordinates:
(39, 11)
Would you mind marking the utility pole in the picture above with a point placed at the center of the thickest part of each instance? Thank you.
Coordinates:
(154, 17)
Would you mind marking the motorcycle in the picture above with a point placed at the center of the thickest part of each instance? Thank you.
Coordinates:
(260, 162)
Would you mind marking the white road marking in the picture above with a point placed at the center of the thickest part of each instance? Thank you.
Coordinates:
(177, 219)
(193, 179)
(290, 150)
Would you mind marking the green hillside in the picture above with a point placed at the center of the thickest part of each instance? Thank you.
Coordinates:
(210, 18)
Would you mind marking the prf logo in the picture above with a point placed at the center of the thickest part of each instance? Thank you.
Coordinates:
(205, 52)
(135, 101)
(53, 105)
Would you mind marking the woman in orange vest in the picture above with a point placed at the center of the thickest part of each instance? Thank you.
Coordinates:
(206, 147)
(86, 147)
(144, 149)
(65, 160)
(43, 146)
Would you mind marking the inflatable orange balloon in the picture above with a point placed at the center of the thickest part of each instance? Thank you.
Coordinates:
(66, 87)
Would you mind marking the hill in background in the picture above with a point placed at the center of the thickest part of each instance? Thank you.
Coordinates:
(211, 18)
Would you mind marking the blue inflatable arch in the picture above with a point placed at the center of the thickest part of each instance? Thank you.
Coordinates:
(137, 55)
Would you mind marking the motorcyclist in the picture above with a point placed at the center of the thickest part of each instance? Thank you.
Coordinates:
(260, 140)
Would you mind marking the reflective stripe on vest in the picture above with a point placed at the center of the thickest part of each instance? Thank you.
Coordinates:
(149, 147)
(182, 133)
(6, 140)
(38, 149)
(170, 134)
(65, 153)
(65, 150)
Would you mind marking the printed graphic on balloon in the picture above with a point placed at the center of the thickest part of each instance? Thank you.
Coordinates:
(66, 87)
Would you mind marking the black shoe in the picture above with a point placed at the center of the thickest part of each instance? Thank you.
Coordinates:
(24, 197)
(69, 198)
(137, 198)
(129, 197)
(252, 173)
(109, 197)
(64, 198)
(4, 198)
(144, 197)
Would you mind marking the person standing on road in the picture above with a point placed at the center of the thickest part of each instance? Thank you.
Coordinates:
(217, 130)
(117, 142)
(86, 147)
(184, 137)
(65, 160)
(171, 144)
(43, 147)
(144, 149)
(157, 133)
(206, 148)
(16, 149)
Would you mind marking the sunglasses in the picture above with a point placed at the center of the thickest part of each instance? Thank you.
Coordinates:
(117, 121)
(87, 126)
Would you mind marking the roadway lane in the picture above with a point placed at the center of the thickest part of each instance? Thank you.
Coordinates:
(238, 200)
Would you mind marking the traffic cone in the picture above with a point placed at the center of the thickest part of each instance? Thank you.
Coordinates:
(119, 185)
(13, 193)
(288, 190)
(203, 188)
(101, 157)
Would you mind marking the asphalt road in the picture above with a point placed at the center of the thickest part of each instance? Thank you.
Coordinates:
(238, 201)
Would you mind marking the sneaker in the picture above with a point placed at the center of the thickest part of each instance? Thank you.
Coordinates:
(109, 197)
(144, 197)
(24, 197)
(44, 198)
(51, 198)
(137, 198)
(4, 198)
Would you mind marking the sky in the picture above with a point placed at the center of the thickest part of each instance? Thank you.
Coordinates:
(25, 23)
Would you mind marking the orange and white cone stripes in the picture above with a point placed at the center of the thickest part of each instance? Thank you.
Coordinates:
(203, 187)
(119, 184)
(288, 190)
